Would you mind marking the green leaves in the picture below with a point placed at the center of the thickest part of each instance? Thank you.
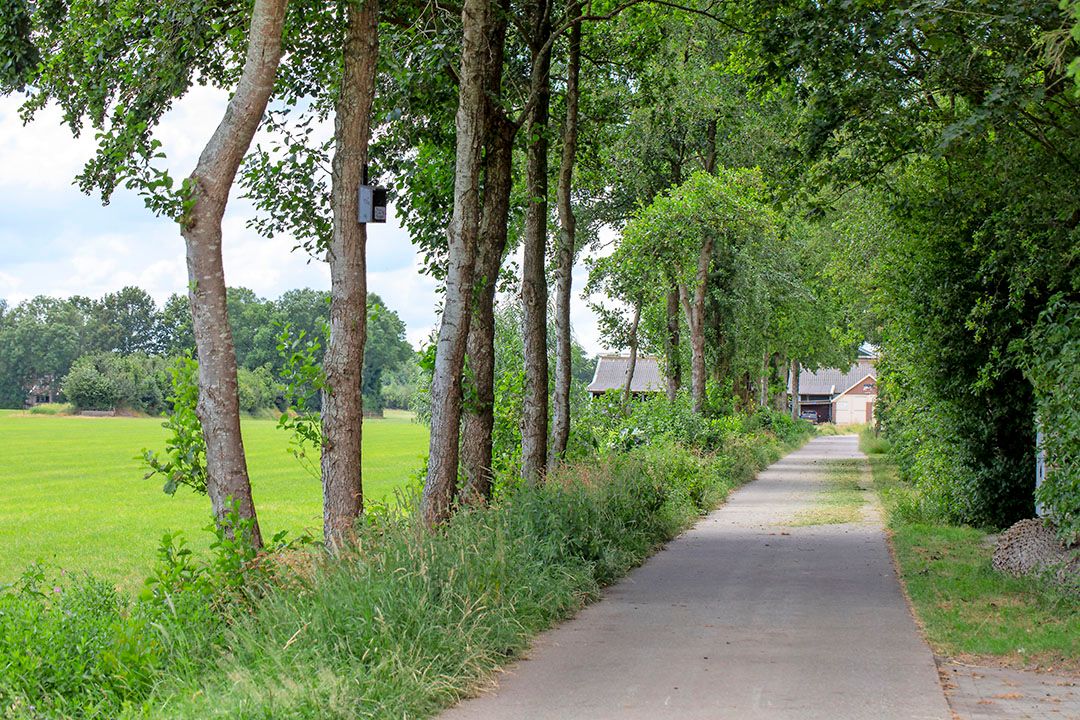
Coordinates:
(18, 56)
(304, 379)
(184, 460)
(1053, 366)
(118, 67)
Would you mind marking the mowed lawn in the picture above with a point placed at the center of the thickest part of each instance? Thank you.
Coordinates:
(72, 493)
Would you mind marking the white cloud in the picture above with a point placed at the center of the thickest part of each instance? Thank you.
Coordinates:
(412, 295)
(42, 156)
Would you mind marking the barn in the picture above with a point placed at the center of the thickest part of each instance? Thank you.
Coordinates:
(844, 397)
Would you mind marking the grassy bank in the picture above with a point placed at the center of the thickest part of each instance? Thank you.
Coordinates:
(965, 607)
(403, 626)
(72, 493)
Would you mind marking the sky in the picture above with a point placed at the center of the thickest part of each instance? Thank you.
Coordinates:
(56, 241)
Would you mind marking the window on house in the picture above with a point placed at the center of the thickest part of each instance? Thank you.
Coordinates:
(868, 386)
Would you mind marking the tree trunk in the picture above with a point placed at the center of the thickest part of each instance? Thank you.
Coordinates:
(778, 366)
(695, 318)
(439, 488)
(763, 382)
(476, 444)
(343, 400)
(534, 296)
(631, 367)
(560, 424)
(218, 408)
(671, 344)
(796, 410)
(710, 147)
(745, 391)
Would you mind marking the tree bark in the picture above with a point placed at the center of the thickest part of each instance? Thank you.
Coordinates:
(476, 444)
(343, 400)
(796, 370)
(710, 147)
(560, 424)
(671, 344)
(440, 486)
(631, 367)
(763, 382)
(695, 318)
(218, 407)
(534, 296)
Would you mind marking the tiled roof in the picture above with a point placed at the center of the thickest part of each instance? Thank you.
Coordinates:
(832, 381)
(611, 374)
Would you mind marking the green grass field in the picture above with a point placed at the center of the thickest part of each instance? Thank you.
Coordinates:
(72, 494)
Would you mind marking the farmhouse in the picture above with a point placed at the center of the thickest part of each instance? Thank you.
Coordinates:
(844, 397)
(611, 375)
(41, 392)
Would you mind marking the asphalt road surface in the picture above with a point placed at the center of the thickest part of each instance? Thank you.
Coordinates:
(745, 616)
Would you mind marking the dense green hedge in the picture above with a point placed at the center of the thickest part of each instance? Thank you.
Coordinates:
(404, 626)
(1054, 370)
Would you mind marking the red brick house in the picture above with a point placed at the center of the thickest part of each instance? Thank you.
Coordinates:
(844, 397)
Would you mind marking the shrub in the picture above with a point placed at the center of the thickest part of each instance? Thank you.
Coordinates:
(74, 649)
(1054, 371)
(257, 389)
(88, 388)
(105, 381)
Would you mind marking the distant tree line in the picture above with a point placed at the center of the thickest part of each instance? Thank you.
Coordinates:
(112, 351)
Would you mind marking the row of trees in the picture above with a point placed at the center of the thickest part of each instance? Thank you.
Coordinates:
(649, 83)
(41, 338)
(907, 190)
(109, 352)
(962, 126)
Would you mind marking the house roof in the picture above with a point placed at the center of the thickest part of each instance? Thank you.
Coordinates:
(611, 374)
(832, 381)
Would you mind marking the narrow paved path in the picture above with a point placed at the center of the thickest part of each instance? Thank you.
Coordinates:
(742, 617)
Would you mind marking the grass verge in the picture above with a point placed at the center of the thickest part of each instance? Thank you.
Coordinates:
(842, 499)
(966, 608)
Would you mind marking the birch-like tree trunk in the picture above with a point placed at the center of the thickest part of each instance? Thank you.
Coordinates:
(695, 319)
(218, 407)
(343, 402)
(564, 272)
(534, 296)
(763, 382)
(440, 486)
(671, 344)
(631, 367)
(476, 443)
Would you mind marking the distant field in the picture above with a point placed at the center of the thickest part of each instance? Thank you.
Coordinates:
(72, 494)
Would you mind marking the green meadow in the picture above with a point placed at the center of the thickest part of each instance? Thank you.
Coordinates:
(73, 497)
